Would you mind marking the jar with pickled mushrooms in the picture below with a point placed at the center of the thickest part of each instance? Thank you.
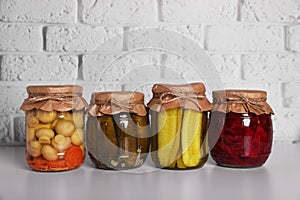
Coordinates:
(240, 129)
(117, 130)
(179, 126)
(54, 127)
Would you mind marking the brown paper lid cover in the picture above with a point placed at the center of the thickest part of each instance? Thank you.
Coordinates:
(188, 96)
(110, 103)
(54, 98)
(241, 101)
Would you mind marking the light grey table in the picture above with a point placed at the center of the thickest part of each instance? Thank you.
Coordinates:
(278, 179)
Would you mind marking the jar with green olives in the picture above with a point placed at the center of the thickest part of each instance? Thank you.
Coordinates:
(54, 127)
(117, 130)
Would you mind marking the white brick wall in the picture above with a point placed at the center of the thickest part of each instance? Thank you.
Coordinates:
(271, 67)
(5, 136)
(286, 125)
(93, 65)
(39, 67)
(123, 12)
(20, 37)
(11, 99)
(55, 11)
(293, 38)
(119, 66)
(228, 65)
(245, 38)
(291, 96)
(81, 38)
(254, 44)
(270, 10)
(192, 31)
(188, 11)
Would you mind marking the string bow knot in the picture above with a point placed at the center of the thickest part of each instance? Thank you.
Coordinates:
(173, 96)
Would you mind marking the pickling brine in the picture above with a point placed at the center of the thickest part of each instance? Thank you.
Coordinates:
(118, 130)
(179, 126)
(178, 140)
(240, 130)
(245, 140)
(54, 128)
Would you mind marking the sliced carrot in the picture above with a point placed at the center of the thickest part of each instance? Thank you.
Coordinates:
(57, 164)
(38, 167)
(74, 157)
(56, 169)
(41, 164)
(39, 161)
(35, 161)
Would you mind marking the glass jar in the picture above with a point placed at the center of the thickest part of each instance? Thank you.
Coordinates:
(117, 130)
(179, 126)
(240, 128)
(54, 127)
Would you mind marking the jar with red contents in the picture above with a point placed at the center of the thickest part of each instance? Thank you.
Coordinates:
(240, 129)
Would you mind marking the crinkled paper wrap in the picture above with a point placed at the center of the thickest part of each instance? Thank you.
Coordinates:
(241, 101)
(110, 103)
(187, 96)
(54, 98)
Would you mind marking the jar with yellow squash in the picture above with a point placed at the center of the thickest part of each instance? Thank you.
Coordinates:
(54, 127)
(117, 130)
(179, 126)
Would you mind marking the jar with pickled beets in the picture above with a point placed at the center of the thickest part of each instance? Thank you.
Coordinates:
(179, 126)
(117, 130)
(54, 127)
(240, 130)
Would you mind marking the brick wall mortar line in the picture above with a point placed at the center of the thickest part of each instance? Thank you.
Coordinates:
(11, 129)
(239, 11)
(205, 37)
(80, 73)
(286, 39)
(159, 11)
